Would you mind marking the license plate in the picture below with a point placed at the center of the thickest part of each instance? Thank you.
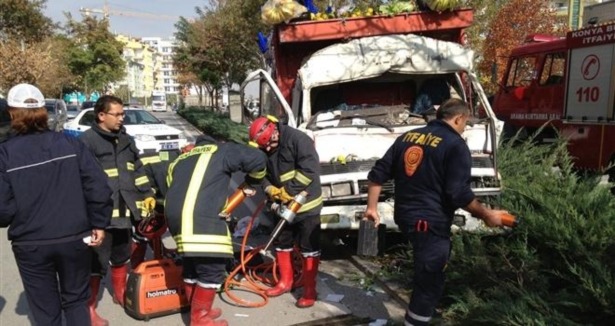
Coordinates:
(171, 145)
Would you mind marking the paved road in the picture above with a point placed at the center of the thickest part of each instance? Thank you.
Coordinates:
(337, 277)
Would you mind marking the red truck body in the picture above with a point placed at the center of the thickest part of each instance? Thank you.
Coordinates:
(569, 85)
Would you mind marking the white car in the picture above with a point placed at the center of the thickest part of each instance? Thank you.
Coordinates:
(149, 132)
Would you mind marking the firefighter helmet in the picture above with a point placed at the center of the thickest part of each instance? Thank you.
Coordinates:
(152, 227)
(261, 130)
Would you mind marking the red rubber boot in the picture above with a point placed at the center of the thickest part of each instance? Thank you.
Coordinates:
(201, 311)
(95, 319)
(189, 289)
(118, 282)
(285, 269)
(310, 270)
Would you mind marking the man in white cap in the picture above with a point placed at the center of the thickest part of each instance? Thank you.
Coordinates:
(56, 202)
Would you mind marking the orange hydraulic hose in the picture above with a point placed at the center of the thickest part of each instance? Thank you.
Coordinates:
(256, 282)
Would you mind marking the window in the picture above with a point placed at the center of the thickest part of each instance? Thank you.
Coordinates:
(522, 72)
(553, 69)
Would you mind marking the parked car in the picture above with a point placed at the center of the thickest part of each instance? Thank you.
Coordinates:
(5, 120)
(87, 105)
(149, 132)
(71, 111)
(56, 110)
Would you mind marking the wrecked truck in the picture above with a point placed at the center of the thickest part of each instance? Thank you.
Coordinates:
(355, 84)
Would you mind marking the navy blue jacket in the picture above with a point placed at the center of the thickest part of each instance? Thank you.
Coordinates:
(52, 189)
(431, 167)
(295, 166)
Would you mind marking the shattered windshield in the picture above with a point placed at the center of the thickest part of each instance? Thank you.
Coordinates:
(386, 101)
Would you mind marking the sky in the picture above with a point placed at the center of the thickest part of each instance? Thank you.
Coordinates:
(134, 26)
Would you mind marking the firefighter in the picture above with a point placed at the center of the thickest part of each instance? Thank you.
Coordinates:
(117, 153)
(55, 199)
(292, 166)
(431, 167)
(198, 184)
(156, 165)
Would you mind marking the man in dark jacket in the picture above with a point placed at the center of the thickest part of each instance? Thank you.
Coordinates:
(293, 166)
(431, 167)
(198, 186)
(55, 199)
(117, 153)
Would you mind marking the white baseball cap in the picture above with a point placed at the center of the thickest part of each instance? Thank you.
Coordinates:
(21, 96)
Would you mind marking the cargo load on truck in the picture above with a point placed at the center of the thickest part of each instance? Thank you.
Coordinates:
(355, 84)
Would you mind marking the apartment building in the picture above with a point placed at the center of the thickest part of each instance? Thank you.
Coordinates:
(141, 66)
(166, 76)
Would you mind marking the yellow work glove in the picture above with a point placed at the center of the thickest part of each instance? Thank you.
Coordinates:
(279, 194)
(148, 206)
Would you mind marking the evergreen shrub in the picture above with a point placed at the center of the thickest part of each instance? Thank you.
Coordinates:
(215, 124)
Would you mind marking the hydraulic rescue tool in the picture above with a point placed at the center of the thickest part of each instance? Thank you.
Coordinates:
(287, 214)
(236, 199)
(510, 220)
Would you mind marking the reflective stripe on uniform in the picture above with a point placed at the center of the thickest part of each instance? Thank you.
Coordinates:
(150, 160)
(204, 247)
(112, 173)
(116, 213)
(416, 317)
(258, 174)
(130, 166)
(302, 178)
(141, 181)
(287, 176)
(311, 205)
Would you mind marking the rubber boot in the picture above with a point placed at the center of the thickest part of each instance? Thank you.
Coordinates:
(201, 313)
(285, 270)
(310, 270)
(137, 253)
(189, 289)
(118, 282)
(95, 319)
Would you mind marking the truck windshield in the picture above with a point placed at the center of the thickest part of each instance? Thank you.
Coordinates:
(385, 101)
(158, 98)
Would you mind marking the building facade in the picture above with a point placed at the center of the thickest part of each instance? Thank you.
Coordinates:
(141, 66)
(166, 76)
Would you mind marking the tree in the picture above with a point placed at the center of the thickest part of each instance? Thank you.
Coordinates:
(512, 21)
(40, 63)
(96, 56)
(23, 20)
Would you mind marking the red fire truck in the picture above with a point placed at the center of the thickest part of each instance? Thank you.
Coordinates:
(567, 84)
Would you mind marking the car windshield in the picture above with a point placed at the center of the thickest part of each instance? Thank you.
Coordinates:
(140, 117)
(50, 107)
(72, 108)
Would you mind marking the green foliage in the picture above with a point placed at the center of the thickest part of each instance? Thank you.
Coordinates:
(556, 267)
(23, 20)
(96, 55)
(215, 124)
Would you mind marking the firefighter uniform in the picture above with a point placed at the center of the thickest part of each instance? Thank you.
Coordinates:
(431, 167)
(198, 185)
(295, 166)
(119, 157)
(52, 194)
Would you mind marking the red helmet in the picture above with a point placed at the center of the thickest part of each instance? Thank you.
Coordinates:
(152, 227)
(262, 129)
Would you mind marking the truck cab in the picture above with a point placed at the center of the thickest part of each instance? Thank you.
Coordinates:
(355, 85)
(564, 86)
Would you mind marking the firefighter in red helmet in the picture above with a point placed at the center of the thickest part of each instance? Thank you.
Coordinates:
(292, 167)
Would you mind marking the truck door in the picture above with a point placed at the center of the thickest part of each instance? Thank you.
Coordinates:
(512, 99)
(261, 96)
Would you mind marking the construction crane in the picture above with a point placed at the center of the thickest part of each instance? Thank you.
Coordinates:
(106, 12)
